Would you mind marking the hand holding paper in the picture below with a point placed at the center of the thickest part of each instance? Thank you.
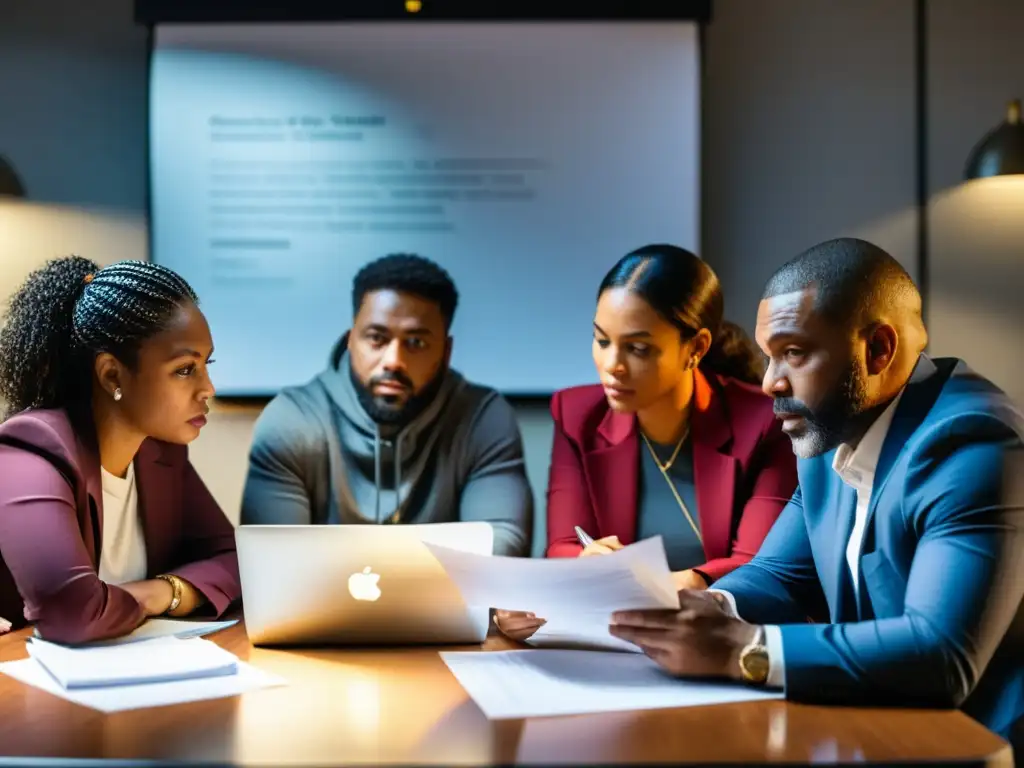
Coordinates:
(576, 597)
(701, 640)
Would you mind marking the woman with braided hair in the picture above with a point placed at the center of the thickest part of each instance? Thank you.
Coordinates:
(103, 520)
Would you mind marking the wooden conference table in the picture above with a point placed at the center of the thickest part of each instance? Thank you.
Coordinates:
(403, 706)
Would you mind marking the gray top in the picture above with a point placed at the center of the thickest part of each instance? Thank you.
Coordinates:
(318, 458)
(658, 510)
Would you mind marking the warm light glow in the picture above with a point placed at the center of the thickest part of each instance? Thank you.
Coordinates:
(413, 6)
(32, 233)
(337, 712)
(984, 213)
(355, 706)
(975, 272)
(361, 693)
(1006, 193)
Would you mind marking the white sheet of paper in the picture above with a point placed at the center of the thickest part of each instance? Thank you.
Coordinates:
(582, 631)
(123, 697)
(544, 683)
(575, 595)
(162, 659)
(152, 628)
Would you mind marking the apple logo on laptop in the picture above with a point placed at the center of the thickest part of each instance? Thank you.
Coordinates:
(363, 585)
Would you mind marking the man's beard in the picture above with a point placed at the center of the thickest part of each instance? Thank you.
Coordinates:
(387, 410)
(832, 422)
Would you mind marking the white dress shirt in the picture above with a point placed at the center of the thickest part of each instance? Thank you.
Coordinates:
(123, 551)
(856, 466)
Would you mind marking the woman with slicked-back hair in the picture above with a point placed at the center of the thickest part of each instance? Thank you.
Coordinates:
(676, 441)
(103, 520)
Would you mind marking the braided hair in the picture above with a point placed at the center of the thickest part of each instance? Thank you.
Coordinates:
(71, 310)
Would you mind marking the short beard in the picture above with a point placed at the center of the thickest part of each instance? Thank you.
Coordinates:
(385, 412)
(834, 421)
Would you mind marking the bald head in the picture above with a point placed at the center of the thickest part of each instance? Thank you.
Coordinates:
(854, 284)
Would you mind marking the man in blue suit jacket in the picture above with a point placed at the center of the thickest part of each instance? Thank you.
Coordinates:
(905, 537)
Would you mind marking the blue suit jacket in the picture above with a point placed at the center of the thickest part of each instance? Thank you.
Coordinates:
(938, 622)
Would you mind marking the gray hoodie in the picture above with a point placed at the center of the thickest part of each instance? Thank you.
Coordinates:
(318, 458)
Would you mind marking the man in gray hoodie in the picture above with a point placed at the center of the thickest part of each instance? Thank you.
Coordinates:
(389, 433)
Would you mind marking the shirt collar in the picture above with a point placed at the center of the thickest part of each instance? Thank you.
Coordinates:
(856, 465)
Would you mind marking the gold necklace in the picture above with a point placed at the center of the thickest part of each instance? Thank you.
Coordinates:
(672, 459)
(672, 486)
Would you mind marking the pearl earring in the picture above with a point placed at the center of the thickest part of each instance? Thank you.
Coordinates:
(117, 394)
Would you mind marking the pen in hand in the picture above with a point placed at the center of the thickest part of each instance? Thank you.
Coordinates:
(583, 537)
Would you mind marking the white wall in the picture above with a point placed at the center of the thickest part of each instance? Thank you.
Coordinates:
(808, 134)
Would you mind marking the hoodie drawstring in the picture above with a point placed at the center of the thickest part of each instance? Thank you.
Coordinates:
(396, 516)
(398, 477)
(376, 474)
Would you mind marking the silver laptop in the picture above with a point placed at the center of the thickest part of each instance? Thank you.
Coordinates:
(357, 584)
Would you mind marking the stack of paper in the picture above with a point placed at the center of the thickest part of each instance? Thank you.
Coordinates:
(145, 673)
(576, 596)
(152, 661)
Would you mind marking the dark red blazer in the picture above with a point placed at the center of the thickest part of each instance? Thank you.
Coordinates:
(744, 470)
(51, 522)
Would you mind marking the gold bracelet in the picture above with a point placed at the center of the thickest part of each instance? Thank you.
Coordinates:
(175, 583)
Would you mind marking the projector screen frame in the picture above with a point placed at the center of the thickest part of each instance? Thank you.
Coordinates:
(149, 13)
(152, 12)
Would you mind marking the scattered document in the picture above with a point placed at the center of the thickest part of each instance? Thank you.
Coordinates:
(159, 660)
(548, 682)
(575, 595)
(124, 697)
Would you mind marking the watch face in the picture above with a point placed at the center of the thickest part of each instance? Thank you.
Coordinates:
(754, 664)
